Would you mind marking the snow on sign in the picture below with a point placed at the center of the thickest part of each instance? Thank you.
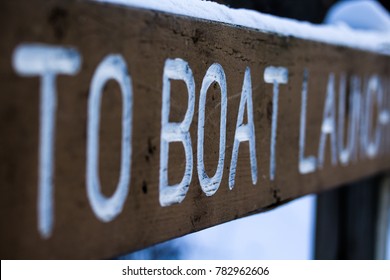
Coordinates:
(124, 126)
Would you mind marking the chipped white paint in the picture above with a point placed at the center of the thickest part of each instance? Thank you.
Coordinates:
(46, 62)
(244, 132)
(216, 74)
(176, 69)
(328, 126)
(112, 67)
(306, 164)
(274, 75)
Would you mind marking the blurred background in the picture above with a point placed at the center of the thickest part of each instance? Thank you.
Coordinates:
(350, 222)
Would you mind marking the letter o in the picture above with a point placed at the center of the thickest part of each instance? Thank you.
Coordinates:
(112, 67)
(214, 74)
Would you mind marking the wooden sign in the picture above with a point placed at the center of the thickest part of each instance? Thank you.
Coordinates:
(122, 127)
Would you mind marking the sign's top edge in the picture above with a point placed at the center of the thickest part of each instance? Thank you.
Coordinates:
(341, 35)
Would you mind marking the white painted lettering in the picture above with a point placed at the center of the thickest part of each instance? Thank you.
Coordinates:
(176, 69)
(306, 164)
(345, 151)
(112, 67)
(372, 144)
(357, 118)
(244, 132)
(274, 75)
(385, 117)
(215, 73)
(328, 126)
(47, 62)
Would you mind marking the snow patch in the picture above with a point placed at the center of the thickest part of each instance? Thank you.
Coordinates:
(342, 35)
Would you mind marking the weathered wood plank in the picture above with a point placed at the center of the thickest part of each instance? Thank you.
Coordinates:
(86, 34)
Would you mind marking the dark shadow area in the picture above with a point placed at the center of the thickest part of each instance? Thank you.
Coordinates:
(346, 221)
